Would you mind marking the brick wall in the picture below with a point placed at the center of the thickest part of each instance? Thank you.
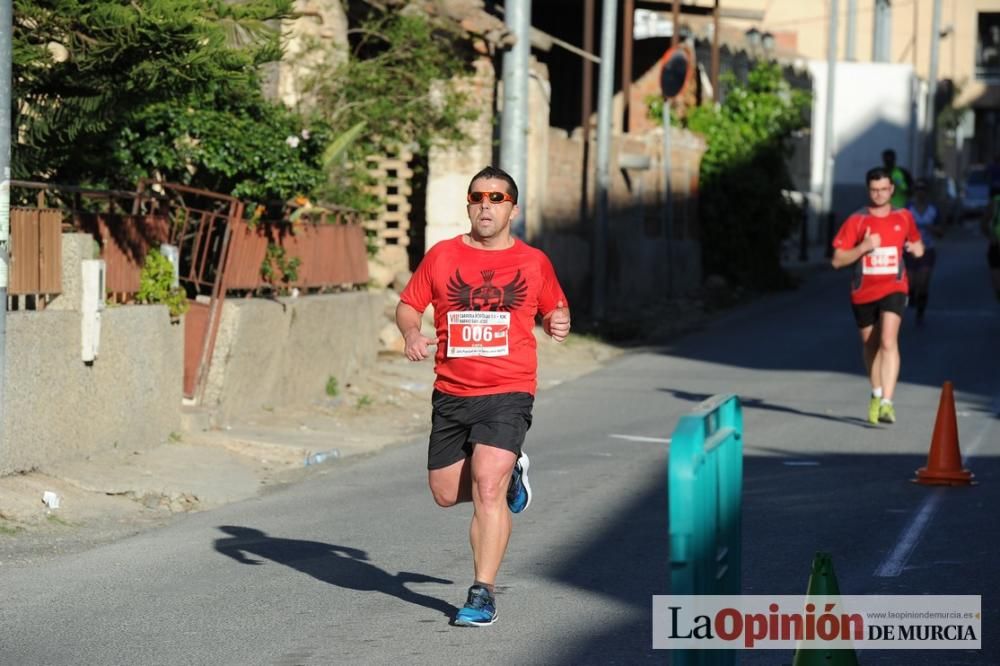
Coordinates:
(638, 239)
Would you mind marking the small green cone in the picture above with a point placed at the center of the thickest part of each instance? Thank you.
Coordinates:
(823, 582)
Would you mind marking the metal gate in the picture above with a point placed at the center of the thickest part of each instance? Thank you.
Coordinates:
(201, 225)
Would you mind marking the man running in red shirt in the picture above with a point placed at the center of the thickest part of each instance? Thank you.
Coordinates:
(874, 240)
(486, 287)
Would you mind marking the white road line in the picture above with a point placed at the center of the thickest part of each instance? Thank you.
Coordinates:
(896, 560)
(894, 564)
(639, 438)
(801, 463)
(967, 313)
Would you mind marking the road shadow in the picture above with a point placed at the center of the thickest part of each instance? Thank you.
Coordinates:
(760, 403)
(817, 332)
(855, 506)
(336, 565)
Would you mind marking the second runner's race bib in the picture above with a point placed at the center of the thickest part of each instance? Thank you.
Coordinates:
(881, 261)
(476, 333)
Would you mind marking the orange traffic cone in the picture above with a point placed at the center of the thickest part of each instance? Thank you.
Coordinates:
(944, 462)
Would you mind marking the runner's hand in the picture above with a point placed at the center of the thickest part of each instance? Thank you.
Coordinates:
(557, 322)
(916, 249)
(874, 239)
(417, 344)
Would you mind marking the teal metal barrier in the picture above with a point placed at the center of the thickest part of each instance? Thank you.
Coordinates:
(705, 488)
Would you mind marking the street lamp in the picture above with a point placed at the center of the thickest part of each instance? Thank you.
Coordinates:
(753, 38)
(767, 41)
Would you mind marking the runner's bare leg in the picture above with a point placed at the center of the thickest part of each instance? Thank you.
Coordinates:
(491, 521)
(888, 352)
(451, 485)
(869, 350)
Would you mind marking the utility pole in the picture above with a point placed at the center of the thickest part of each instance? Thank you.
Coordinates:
(675, 28)
(851, 39)
(628, 26)
(514, 119)
(882, 32)
(932, 74)
(605, 92)
(716, 97)
(6, 41)
(828, 147)
(586, 109)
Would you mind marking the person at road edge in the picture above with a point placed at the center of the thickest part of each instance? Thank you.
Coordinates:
(487, 287)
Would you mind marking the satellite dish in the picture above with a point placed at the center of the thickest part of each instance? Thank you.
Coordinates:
(675, 71)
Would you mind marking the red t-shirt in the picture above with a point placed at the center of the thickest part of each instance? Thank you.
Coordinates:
(485, 302)
(880, 272)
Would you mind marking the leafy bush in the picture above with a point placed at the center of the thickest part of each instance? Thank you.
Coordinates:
(156, 284)
(251, 149)
(744, 215)
(394, 90)
(277, 269)
(109, 92)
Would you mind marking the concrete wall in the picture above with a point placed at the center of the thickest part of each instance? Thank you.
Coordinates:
(75, 248)
(55, 406)
(273, 353)
(887, 116)
(910, 29)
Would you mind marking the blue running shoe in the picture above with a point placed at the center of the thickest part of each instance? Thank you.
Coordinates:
(480, 610)
(519, 490)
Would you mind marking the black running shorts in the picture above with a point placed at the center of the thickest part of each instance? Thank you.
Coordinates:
(993, 255)
(924, 263)
(868, 314)
(501, 420)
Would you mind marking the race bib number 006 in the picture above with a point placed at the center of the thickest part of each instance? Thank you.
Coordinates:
(473, 333)
(881, 261)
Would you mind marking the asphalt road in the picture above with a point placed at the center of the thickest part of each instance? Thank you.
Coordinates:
(358, 566)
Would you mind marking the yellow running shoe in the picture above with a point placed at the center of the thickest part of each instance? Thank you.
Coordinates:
(887, 413)
(873, 409)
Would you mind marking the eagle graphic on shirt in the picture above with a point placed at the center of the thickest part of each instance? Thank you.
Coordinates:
(488, 296)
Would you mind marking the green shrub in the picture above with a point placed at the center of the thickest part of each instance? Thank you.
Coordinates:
(156, 284)
(744, 215)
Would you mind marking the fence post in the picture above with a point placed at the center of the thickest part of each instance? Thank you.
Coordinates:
(705, 488)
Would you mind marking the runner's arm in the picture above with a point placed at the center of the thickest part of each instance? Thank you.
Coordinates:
(556, 323)
(908, 179)
(408, 321)
(842, 257)
(916, 248)
(914, 241)
(987, 218)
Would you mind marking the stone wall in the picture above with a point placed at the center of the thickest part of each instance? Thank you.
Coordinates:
(272, 353)
(641, 240)
(317, 36)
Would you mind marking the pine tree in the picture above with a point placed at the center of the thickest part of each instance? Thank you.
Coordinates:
(82, 68)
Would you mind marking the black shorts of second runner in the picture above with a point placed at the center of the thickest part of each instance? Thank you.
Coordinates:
(993, 255)
(501, 420)
(924, 263)
(868, 314)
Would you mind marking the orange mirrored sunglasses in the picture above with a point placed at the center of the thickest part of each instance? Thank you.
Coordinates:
(494, 197)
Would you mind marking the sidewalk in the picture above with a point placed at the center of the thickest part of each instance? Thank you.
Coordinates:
(121, 492)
